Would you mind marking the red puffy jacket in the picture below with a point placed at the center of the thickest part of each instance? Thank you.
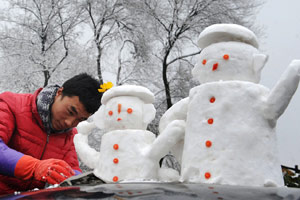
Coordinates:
(21, 129)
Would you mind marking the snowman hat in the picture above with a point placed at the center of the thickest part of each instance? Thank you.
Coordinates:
(225, 33)
(129, 90)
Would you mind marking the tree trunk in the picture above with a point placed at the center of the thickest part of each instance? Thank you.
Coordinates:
(166, 83)
(99, 65)
(43, 53)
(46, 76)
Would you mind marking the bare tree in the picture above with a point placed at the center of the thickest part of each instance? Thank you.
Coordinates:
(102, 16)
(175, 24)
(39, 33)
(133, 52)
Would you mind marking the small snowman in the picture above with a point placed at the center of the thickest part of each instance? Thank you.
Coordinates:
(230, 119)
(128, 152)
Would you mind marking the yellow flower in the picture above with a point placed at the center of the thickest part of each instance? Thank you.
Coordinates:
(105, 86)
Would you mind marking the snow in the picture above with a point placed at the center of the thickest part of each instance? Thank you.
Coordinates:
(239, 138)
(230, 135)
(226, 127)
(117, 111)
(226, 32)
(240, 54)
(128, 90)
(128, 152)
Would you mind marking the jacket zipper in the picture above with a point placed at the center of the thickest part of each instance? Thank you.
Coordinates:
(47, 141)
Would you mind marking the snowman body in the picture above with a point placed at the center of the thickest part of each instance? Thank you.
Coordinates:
(128, 152)
(230, 135)
(228, 138)
(124, 156)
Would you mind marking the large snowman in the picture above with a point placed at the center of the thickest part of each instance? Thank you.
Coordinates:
(231, 119)
(128, 152)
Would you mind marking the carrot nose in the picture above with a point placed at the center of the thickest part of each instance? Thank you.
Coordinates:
(119, 108)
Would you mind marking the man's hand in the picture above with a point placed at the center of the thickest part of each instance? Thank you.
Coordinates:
(52, 171)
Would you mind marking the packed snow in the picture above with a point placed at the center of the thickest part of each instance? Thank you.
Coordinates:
(128, 152)
(223, 133)
(230, 133)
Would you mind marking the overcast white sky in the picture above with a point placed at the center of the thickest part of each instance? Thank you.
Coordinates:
(281, 22)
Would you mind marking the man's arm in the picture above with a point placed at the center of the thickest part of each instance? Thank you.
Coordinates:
(8, 159)
(16, 164)
(7, 122)
(8, 156)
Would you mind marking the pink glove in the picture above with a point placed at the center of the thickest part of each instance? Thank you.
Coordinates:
(52, 171)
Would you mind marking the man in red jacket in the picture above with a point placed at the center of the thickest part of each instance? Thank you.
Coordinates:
(37, 130)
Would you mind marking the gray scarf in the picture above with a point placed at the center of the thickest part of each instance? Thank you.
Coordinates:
(44, 102)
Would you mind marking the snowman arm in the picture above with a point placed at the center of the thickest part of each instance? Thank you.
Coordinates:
(283, 91)
(85, 127)
(172, 134)
(87, 155)
(177, 112)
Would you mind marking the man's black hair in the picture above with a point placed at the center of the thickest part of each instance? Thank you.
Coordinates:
(86, 88)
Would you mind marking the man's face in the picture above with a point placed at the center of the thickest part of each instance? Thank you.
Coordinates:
(67, 112)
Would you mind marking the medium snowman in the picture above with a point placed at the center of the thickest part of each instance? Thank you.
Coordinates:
(128, 152)
(230, 119)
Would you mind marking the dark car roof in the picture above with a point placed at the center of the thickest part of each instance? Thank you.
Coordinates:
(88, 186)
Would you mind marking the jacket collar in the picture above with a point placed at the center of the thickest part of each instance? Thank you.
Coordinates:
(34, 108)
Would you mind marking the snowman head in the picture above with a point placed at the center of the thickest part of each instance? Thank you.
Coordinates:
(125, 107)
(229, 52)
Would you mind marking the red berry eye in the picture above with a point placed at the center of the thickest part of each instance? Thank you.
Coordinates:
(129, 110)
(226, 57)
(110, 113)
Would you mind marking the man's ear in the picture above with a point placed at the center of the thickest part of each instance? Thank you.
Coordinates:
(59, 91)
(99, 117)
(148, 113)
